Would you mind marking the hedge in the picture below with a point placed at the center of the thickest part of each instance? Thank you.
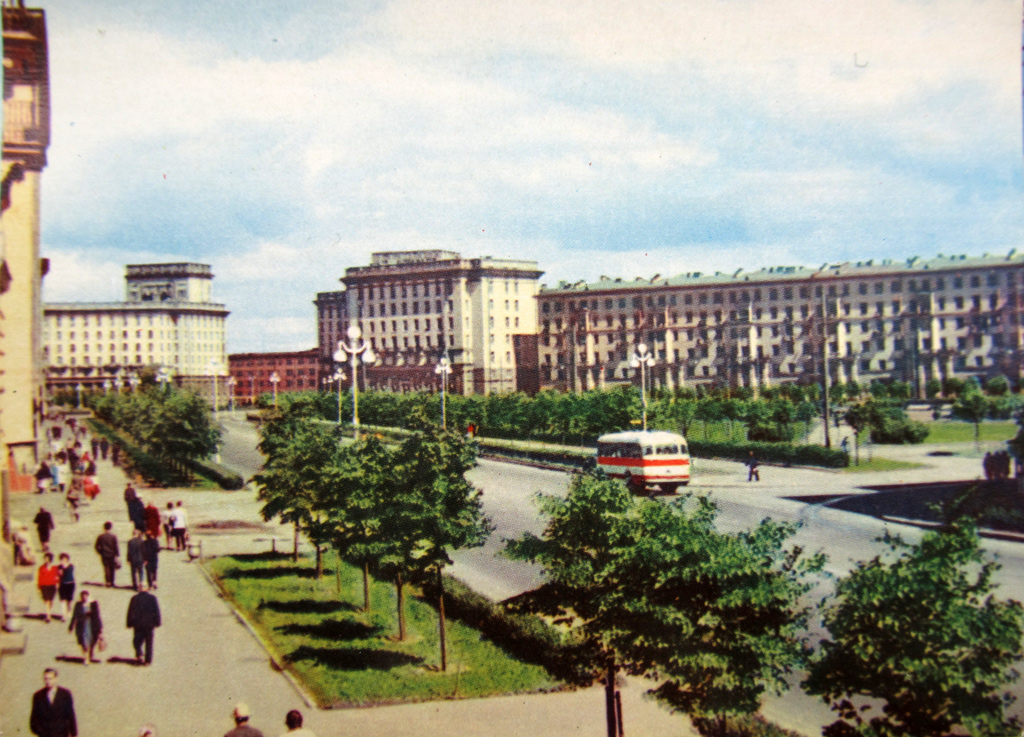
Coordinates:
(218, 473)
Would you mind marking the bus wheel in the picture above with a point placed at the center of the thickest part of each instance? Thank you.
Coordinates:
(669, 488)
(634, 484)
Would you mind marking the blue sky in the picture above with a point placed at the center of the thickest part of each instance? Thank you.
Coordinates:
(282, 142)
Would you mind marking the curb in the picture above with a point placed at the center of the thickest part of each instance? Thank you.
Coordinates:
(309, 701)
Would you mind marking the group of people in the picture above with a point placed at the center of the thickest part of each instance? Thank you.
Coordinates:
(53, 715)
(997, 465)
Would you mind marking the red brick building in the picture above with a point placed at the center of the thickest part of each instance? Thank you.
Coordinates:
(297, 371)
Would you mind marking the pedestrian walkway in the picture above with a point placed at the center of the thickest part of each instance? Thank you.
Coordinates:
(205, 660)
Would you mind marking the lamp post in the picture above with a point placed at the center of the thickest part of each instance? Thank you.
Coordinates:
(338, 376)
(212, 368)
(443, 369)
(274, 378)
(353, 350)
(163, 376)
(231, 392)
(106, 386)
(78, 396)
(133, 381)
(118, 383)
(643, 360)
(252, 389)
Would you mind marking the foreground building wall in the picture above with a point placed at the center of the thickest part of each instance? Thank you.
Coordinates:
(913, 321)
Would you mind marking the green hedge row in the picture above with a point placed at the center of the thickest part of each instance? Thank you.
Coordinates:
(218, 473)
(133, 458)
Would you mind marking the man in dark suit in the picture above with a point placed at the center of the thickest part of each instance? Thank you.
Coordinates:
(143, 617)
(53, 709)
(109, 550)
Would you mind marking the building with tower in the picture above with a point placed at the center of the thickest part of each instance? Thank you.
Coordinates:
(412, 307)
(168, 320)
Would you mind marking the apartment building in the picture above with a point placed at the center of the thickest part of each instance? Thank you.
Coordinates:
(168, 320)
(911, 320)
(252, 373)
(412, 307)
(332, 321)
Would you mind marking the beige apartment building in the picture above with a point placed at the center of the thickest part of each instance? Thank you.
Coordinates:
(168, 320)
(911, 320)
(413, 307)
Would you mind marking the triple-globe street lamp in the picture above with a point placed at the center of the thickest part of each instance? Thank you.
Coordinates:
(643, 360)
(338, 376)
(355, 350)
(274, 379)
(231, 381)
(444, 369)
(163, 376)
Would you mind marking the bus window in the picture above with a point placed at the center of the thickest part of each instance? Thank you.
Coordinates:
(667, 450)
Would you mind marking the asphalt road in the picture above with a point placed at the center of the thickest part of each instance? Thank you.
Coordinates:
(790, 494)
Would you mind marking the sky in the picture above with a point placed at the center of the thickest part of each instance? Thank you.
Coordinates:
(282, 142)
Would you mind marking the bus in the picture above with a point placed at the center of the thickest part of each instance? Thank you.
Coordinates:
(645, 458)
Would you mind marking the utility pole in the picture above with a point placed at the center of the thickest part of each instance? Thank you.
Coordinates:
(826, 379)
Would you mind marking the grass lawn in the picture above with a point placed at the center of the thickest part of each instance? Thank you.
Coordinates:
(880, 464)
(957, 431)
(345, 657)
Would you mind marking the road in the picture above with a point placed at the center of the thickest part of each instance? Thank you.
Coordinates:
(784, 494)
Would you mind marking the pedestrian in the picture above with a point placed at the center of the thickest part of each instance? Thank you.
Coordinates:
(133, 552)
(152, 517)
(87, 626)
(169, 523)
(136, 509)
(95, 445)
(115, 454)
(47, 579)
(66, 587)
(104, 447)
(179, 519)
(150, 556)
(753, 474)
(43, 477)
(242, 727)
(55, 484)
(23, 555)
(143, 617)
(109, 552)
(74, 498)
(63, 475)
(44, 525)
(987, 466)
(53, 709)
(293, 720)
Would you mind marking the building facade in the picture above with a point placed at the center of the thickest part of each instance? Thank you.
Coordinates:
(168, 320)
(913, 321)
(413, 307)
(251, 373)
(26, 115)
(331, 321)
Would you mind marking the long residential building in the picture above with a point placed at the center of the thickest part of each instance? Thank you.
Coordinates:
(911, 320)
(253, 374)
(413, 307)
(168, 320)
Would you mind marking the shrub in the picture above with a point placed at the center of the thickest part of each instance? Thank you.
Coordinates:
(899, 431)
(221, 475)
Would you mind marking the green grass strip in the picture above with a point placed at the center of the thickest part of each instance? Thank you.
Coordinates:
(345, 657)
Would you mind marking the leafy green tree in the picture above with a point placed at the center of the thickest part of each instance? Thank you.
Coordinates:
(715, 617)
(919, 646)
(577, 552)
(953, 386)
(298, 480)
(860, 417)
(932, 388)
(974, 407)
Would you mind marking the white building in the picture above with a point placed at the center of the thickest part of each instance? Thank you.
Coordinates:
(168, 320)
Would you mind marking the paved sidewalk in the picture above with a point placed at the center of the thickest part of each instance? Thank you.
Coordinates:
(205, 660)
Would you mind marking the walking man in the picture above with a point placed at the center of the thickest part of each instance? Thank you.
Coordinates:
(44, 524)
(53, 709)
(108, 550)
(753, 473)
(179, 521)
(136, 558)
(150, 557)
(143, 617)
(242, 728)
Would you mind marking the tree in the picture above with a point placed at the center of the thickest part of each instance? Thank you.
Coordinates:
(714, 617)
(924, 635)
(860, 417)
(577, 554)
(932, 388)
(298, 480)
(972, 406)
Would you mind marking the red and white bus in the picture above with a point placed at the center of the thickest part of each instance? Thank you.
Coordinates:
(645, 458)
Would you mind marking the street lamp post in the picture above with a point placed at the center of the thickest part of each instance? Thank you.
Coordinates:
(231, 392)
(212, 368)
(443, 369)
(163, 376)
(274, 379)
(643, 360)
(338, 376)
(353, 350)
(133, 381)
(78, 396)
